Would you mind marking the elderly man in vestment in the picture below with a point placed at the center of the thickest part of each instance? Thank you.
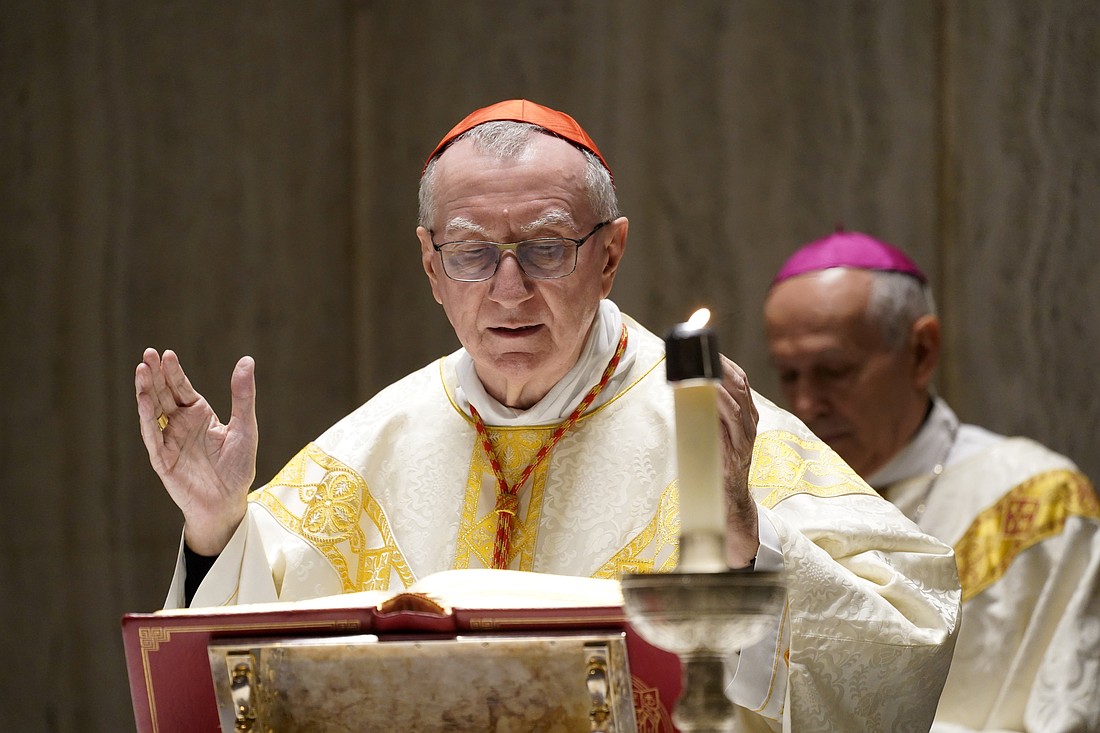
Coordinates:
(853, 333)
(545, 444)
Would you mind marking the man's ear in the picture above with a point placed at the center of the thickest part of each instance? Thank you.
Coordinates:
(924, 344)
(614, 250)
(428, 260)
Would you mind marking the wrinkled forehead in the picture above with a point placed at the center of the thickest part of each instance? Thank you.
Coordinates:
(542, 153)
(551, 221)
(544, 184)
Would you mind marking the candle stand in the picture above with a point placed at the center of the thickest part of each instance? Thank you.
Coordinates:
(703, 613)
(705, 619)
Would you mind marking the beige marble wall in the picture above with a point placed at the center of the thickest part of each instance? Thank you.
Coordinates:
(229, 178)
(1022, 227)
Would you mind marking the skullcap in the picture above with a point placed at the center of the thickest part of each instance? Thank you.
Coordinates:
(848, 249)
(522, 110)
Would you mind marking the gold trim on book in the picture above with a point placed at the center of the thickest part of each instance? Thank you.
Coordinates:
(152, 637)
(545, 621)
(1028, 514)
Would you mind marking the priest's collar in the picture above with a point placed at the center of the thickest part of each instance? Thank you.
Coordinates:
(927, 448)
(568, 392)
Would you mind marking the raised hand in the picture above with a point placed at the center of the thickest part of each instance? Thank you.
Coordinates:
(206, 466)
(739, 417)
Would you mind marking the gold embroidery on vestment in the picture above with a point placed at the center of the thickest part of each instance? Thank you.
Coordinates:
(515, 448)
(329, 505)
(661, 536)
(784, 465)
(1028, 514)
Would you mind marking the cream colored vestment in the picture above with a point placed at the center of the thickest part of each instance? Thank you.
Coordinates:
(401, 488)
(1025, 525)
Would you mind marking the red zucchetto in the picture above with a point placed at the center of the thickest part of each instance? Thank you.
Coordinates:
(522, 110)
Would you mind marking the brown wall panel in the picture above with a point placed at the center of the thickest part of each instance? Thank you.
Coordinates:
(1024, 242)
(175, 175)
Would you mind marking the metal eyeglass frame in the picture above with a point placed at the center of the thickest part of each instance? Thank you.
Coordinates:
(513, 247)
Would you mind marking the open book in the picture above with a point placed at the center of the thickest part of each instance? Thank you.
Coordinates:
(169, 667)
(443, 592)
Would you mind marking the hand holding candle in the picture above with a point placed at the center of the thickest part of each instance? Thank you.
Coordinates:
(739, 417)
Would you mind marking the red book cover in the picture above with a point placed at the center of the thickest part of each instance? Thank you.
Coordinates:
(166, 658)
(169, 668)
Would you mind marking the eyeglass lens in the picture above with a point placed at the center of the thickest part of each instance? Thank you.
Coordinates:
(539, 258)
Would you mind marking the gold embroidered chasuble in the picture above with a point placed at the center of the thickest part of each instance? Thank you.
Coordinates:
(1025, 525)
(401, 489)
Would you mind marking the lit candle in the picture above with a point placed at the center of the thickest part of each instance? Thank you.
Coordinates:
(694, 369)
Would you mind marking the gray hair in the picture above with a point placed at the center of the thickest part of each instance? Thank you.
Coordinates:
(507, 139)
(897, 300)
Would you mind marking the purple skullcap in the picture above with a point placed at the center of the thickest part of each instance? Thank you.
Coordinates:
(848, 249)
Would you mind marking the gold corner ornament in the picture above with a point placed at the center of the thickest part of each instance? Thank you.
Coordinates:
(162, 422)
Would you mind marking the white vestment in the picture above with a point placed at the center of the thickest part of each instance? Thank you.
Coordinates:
(401, 488)
(1025, 526)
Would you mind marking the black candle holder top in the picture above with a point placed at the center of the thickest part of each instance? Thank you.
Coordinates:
(691, 353)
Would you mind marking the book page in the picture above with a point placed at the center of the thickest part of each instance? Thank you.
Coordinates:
(474, 588)
(514, 589)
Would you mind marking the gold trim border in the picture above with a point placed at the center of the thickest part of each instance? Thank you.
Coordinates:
(1031, 512)
(152, 637)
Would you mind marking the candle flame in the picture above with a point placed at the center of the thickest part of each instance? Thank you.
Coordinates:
(699, 318)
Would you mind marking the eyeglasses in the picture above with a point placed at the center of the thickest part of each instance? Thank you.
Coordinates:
(546, 258)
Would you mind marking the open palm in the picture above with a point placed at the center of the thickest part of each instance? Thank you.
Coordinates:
(206, 466)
